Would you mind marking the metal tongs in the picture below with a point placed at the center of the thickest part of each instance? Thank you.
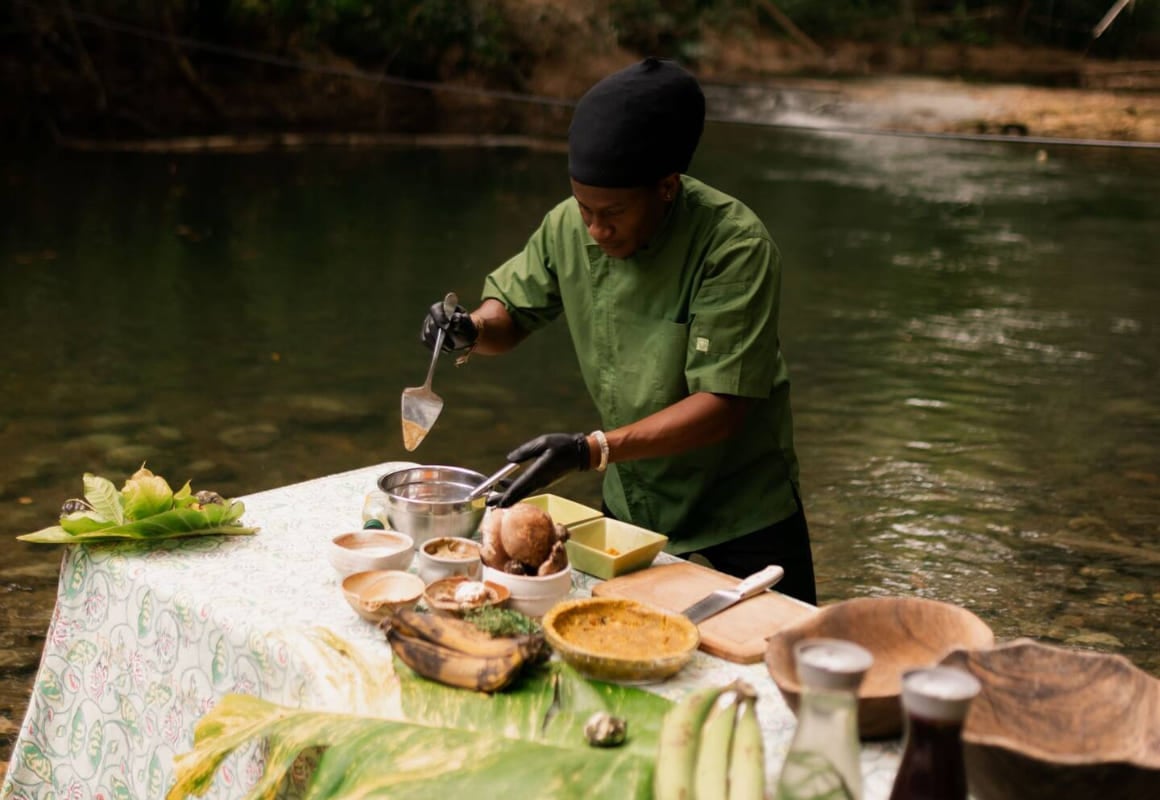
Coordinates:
(492, 479)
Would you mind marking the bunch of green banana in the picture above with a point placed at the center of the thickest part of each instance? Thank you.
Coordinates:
(457, 653)
(711, 747)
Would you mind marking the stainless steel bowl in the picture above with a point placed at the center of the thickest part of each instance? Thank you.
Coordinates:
(426, 502)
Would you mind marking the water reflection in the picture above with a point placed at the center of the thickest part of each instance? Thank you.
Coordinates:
(971, 334)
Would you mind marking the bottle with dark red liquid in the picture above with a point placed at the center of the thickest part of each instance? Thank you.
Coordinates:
(935, 701)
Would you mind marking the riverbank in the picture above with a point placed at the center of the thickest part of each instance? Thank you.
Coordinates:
(942, 88)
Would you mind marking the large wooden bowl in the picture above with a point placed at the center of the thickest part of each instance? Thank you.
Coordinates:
(900, 632)
(1055, 722)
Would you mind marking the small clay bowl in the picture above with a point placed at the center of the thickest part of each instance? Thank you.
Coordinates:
(363, 551)
(377, 593)
(447, 556)
(440, 596)
(902, 633)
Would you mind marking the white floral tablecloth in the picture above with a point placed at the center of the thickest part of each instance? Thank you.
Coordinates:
(146, 638)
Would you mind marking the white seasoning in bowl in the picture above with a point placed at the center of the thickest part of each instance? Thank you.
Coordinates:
(471, 592)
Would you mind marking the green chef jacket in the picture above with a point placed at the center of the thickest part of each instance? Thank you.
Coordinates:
(695, 310)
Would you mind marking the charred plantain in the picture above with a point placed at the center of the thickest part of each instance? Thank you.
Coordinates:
(453, 668)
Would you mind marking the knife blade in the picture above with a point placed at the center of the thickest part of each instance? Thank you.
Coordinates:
(721, 599)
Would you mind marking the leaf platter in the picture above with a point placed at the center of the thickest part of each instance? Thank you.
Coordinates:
(527, 741)
(145, 509)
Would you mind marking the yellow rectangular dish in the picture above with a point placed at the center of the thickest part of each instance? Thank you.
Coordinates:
(607, 547)
(567, 512)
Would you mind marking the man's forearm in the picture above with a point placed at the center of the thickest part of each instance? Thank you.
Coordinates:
(498, 332)
(697, 421)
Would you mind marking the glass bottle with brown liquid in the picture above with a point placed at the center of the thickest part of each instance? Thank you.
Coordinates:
(935, 701)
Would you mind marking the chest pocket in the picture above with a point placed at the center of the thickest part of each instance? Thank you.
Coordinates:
(649, 369)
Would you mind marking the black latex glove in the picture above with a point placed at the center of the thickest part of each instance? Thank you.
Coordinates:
(459, 331)
(556, 455)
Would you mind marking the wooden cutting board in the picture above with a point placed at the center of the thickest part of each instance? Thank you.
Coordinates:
(736, 634)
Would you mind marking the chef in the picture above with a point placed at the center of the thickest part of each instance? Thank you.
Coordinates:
(670, 291)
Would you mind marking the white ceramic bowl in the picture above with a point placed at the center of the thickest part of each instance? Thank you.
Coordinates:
(362, 551)
(532, 595)
(447, 557)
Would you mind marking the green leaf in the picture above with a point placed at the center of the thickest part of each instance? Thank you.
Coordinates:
(49, 685)
(184, 496)
(76, 737)
(219, 664)
(158, 694)
(168, 525)
(451, 740)
(103, 496)
(35, 760)
(74, 581)
(81, 653)
(85, 522)
(156, 776)
(120, 789)
(146, 495)
(96, 744)
(145, 615)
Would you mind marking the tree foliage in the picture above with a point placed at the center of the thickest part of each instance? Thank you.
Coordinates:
(160, 66)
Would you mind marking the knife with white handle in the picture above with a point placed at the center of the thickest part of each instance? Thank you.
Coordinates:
(718, 601)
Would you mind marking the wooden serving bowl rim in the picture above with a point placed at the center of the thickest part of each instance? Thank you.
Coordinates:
(784, 639)
(1138, 756)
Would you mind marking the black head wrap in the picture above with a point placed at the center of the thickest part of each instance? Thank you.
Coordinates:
(636, 126)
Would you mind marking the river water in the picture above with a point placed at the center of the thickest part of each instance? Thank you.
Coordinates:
(971, 330)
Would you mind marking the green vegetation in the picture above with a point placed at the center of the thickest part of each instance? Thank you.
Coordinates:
(133, 68)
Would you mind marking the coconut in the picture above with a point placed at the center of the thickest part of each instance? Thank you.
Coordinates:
(527, 534)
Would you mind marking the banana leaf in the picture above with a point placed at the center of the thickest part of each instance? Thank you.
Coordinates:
(166, 525)
(450, 740)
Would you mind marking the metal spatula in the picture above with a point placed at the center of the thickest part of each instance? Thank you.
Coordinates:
(421, 406)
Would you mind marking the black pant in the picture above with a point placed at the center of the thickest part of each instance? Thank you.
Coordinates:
(786, 543)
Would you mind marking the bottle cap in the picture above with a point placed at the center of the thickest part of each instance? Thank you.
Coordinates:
(375, 524)
(831, 663)
(938, 693)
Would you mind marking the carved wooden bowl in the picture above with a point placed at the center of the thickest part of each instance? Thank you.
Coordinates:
(1055, 722)
(900, 632)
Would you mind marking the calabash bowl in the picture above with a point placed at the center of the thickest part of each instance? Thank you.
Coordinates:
(620, 640)
(375, 594)
(1056, 722)
(901, 633)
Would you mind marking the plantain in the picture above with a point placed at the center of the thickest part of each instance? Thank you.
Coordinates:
(453, 668)
(747, 754)
(711, 776)
(677, 753)
(454, 634)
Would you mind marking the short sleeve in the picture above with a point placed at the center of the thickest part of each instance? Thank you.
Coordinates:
(527, 283)
(733, 338)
